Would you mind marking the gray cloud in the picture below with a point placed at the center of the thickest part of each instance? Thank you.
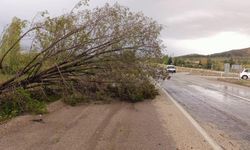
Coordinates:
(182, 19)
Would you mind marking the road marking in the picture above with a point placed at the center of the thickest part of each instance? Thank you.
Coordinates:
(246, 99)
(211, 141)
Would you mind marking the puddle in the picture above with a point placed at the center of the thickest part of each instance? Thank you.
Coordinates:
(214, 94)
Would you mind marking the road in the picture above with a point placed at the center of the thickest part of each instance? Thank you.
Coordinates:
(224, 106)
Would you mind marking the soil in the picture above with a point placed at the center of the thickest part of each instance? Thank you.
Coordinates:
(149, 125)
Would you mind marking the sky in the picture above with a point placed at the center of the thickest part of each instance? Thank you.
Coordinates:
(190, 26)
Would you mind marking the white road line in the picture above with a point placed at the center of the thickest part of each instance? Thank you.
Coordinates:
(211, 141)
(246, 99)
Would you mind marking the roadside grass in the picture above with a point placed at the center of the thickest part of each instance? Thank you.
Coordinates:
(22, 101)
(236, 81)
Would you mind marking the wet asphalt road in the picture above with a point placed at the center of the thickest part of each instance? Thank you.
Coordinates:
(225, 105)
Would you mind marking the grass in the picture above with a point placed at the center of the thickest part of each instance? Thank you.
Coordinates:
(19, 102)
(4, 77)
(204, 72)
(236, 81)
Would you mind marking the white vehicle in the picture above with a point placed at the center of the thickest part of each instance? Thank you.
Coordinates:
(245, 74)
(171, 69)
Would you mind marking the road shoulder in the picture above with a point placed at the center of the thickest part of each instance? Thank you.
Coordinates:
(148, 125)
(182, 131)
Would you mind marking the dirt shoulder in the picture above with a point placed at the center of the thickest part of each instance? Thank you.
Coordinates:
(182, 131)
(236, 81)
(156, 124)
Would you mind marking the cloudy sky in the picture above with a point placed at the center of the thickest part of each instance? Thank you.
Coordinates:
(190, 26)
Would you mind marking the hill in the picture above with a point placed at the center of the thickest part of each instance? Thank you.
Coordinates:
(193, 56)
(232, 53)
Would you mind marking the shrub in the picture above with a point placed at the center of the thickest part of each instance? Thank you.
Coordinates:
(47, 94)
(20, 101)
(74, 98)
(133, 91)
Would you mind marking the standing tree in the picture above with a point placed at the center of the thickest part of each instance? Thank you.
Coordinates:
(165, 59)
(170, 61)
(10, 41)
(231, 61)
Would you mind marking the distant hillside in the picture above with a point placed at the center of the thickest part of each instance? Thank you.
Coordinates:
(215, 61)
(193, 56)
(232, 53)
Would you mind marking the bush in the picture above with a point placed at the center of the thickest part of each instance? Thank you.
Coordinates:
(74, 99)
(128, 88)
(46, 94)
(20, 102)
(133, 91)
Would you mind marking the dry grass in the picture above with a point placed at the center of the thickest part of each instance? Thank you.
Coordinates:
(236, 81)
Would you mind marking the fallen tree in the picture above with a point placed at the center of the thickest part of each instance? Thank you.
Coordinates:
(107, 52)
(78, 44)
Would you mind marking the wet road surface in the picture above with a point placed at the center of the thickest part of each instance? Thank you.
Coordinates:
(225, 105)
